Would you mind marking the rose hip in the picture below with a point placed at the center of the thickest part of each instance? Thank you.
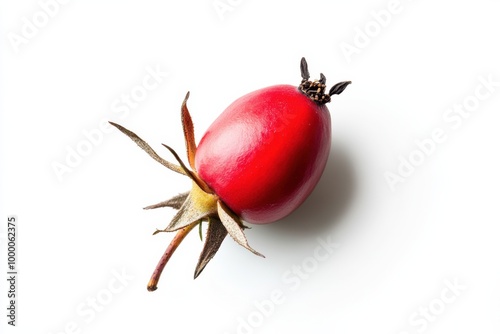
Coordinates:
(257, 162)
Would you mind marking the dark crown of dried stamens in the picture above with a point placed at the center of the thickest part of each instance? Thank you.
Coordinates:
(315, 90)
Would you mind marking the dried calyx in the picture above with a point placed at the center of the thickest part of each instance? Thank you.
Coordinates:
(315, 90)
(199, 205)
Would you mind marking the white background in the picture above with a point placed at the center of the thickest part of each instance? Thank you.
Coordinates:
(398, 250)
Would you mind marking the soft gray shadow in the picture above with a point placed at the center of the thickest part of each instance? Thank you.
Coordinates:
(325, 206)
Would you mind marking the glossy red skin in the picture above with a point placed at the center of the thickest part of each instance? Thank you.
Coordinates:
(266, 152)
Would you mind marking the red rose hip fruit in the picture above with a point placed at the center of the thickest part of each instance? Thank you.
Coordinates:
(256, 163)
(266, 152)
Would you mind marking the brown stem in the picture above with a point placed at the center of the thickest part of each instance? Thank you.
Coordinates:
(153, 282)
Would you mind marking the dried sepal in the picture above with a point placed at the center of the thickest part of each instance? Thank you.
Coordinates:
(322, 79)
(188, 128)
(188, 213)
(338, 88)
(234, 226)
(145, 146)
(216, 232)
(174, 202)
(193, 176)
(304, 72)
